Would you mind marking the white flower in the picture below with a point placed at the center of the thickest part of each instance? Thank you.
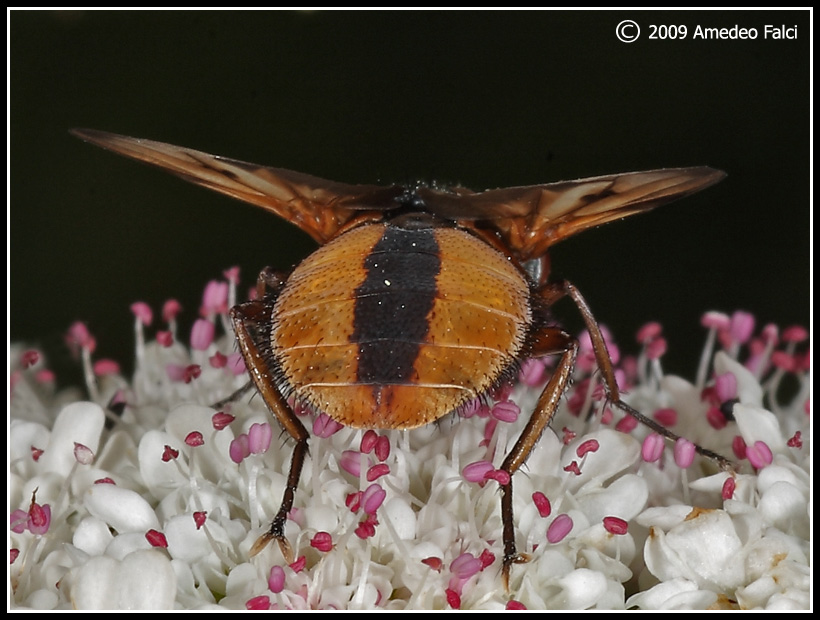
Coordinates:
(166, 513)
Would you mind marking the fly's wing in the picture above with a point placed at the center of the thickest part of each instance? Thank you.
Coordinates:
(531, 219)
(317, 206)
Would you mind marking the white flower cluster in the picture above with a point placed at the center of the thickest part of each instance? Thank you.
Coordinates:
(158, 505)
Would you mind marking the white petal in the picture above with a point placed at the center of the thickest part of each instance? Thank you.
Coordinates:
(78, 422)
(92, 536)
(122, 509)
(757, 424)
(143, 580)
(402, 517)
(785, 507)
(582, 589)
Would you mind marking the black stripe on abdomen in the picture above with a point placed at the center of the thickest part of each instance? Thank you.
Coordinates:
(392, 303)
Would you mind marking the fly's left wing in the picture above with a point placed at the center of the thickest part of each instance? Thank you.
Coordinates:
(317, 206)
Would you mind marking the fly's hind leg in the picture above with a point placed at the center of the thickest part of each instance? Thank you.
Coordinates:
(551, 293)
(549, 341)
(252, 323)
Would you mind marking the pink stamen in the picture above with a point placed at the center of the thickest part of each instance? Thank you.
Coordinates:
(715, 320)
(156, 538)
(649, 332)
(377, 471)
(214, 299)
(194, 439)
(759, 455)
(36, 453)
(191, 372)
(513, 605)
(367, 528)
(299, 564)
(30, 358)
(465, 566)
(45, 376)
(626, 424)
(716, 418)
(106, 367)
(325, 426)
(505, 411)
(369, 441)
(573, 468)
(236, 364)
(796, 440)
(453, 598)
(615, 525)
(532, 372)
(78, 337)
(39, 518)
(684, 452)
(232, 275)
(542, 504)
(795, 333)
(666, 417)
(434, 563)
(728, 490)
(105, 480)
(499, 475)
(202, 335)
(169, 454)
(322, 541)
(739, 447)
(590, 445)
(486, 558)
(13, 555)
(258, 603)
(354, 501)
(742, 327)
(559, 528)
(83, 454)
(784, 361)
(259, 438)
(351, 462)
(170, 310)
(656, 349)
(18, 521)
(568, 435)
(477, 472)
(142, 311)
(238, 449)
(276, 580)
(382, 449)
(726, 386)
(218, 360)
(652, 448)
(165, 338)
(200, 517)
(221, 419)
(373, 498)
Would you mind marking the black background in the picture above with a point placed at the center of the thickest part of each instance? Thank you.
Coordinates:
(485, 99)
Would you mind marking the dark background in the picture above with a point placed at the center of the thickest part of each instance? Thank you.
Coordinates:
(485, 99)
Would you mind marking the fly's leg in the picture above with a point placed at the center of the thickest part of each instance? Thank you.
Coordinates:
(549, 341)
(252, 322)
(270, 281)
(553, 292)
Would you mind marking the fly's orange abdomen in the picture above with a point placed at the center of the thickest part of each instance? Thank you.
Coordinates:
(390, 326)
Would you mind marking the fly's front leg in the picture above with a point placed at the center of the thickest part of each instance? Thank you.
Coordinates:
(551, 293)
(548, 341)
(252, 322)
